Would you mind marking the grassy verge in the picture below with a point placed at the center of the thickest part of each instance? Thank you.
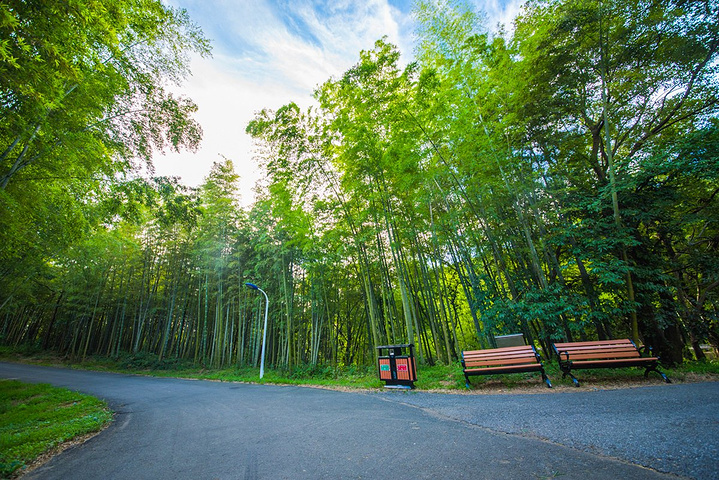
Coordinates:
(36, 419)
(433, 378)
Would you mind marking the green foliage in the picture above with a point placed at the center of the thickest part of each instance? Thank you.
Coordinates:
(704, 367)
(82, 88)
(35, 419)
(147, 362)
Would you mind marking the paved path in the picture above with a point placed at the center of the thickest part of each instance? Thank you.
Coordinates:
(184, 429)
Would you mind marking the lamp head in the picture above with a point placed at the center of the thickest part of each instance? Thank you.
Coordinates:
(252, 286)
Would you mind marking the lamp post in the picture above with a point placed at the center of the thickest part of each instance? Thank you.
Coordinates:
(264, 332)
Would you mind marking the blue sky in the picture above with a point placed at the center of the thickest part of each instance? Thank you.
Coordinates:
(267, 53)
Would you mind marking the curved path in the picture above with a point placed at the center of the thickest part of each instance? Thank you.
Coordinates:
(185, 429)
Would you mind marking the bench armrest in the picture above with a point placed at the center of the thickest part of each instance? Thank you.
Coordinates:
(642, 351)
(565, 353)
(537, 355)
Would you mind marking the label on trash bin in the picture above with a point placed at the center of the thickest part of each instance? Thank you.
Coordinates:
(384, 368)
(401, 368)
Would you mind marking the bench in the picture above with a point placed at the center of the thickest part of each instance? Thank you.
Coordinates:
(603, 354)
(502, 360)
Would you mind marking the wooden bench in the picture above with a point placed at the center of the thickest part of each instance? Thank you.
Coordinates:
(603, 354)
(502, 360)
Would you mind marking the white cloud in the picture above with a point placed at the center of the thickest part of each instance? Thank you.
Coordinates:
(259, 62)
(226, 103)
(268, 53)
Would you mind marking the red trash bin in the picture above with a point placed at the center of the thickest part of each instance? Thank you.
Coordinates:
(398, 370)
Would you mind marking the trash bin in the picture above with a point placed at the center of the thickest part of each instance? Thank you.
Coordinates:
(398, 370)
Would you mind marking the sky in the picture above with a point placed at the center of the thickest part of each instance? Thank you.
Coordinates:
(267, 53)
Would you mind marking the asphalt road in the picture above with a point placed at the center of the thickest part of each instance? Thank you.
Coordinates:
(185, 429)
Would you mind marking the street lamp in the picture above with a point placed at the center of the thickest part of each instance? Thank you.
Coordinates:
(264, 333)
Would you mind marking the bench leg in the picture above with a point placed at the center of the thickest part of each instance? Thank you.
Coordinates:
(566, 371)
(546, 379)
(467, 384)
(574, 379)
(655, 369)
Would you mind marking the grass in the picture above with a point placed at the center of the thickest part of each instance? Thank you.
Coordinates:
(36, 419)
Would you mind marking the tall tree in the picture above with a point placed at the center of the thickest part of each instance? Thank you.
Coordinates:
(83, 96)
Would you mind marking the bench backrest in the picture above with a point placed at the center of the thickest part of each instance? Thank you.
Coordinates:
(512, 340)
(602, 349)
(500, 356)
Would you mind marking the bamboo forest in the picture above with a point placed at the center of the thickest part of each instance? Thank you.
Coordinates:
(557, 177)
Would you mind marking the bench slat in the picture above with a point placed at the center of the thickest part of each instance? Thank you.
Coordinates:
(498, 361)
(503, 356)
(595, 347)
(488, 370)
(501, 351)
(633, 361)
(618, 349)
(601, 354)
(624, 341)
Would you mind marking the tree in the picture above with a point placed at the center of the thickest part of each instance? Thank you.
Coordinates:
(83, 85)
(82, 97)
(606, 84)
